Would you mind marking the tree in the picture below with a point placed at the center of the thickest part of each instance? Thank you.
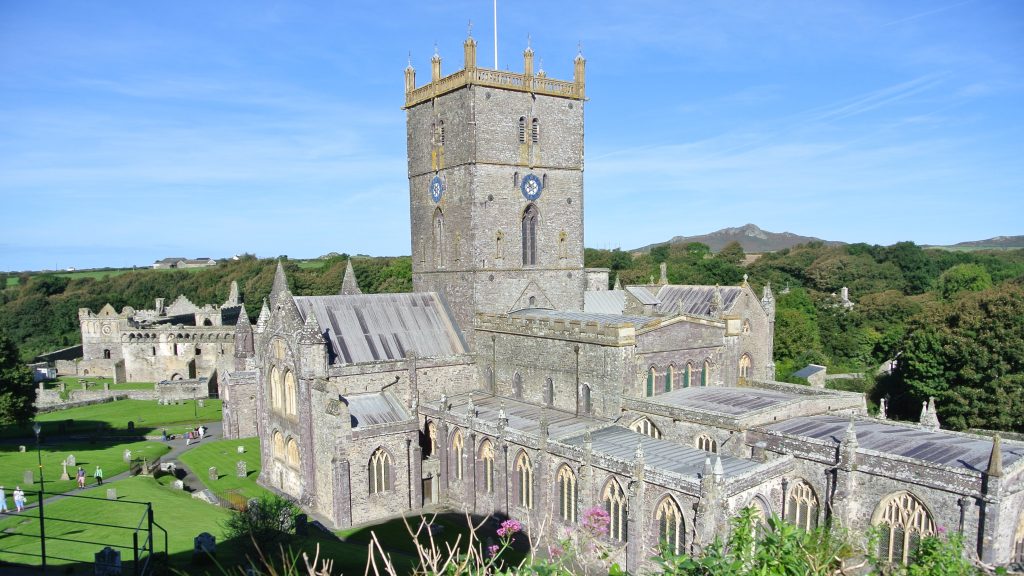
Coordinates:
(964, 277)
(17, 397)
(732, 253)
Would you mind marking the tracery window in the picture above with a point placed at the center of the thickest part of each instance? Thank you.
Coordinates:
(903, 521)
(614, 499)
(291, 404)
(670, 526)
(458, 450)
(524, 484)
(530, 217)
(292, 457)
(380, 471)
(802, 506)
(745, 366)
(646, 427)
(707, 444)
(567, 495)
(487, 470)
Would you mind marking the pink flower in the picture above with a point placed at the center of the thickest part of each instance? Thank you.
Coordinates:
(596, 521)
(941, 529)
(555, 552)
(509, 527)
(492, 549)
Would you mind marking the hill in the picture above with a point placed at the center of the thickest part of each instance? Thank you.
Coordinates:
(753, 239)
(997, 243)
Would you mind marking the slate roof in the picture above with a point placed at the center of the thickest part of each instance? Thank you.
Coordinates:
(375, 408)
(604, 301)
(695, 299)
(526, 417)
(724, 399)
(939, 447)
(809, 370)
(381, 327)
(641, 294)
(660, 454)
(603, 319)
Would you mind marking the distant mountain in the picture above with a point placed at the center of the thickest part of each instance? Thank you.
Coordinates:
(997, 243)
(753, 239)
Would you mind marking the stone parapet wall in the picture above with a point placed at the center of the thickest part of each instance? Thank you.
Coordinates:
(575, 330)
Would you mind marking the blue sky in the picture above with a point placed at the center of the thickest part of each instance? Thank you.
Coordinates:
(131, 131)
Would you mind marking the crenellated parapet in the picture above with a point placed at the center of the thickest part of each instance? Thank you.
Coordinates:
(618, 334)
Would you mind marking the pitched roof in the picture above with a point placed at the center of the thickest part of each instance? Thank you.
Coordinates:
(603, 319)
(604, 301)
(381, 327)
(730, 400)
(643, 295)
(374, 409)
(349, 285)
(809, 370)
(695, 299)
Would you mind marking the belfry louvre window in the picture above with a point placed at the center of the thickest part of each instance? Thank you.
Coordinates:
(566, 495)
(522, 129)
(902, 522)
(535, 131)
(380, 472)
(615, 504)
(530, 216)
(670, 526)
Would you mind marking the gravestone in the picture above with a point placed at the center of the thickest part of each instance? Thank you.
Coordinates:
(202, 403)
(242, 469)
(213, 473)
(63, 387)
(301, 524)
(241, 450)
(107, 562)
(111, 493)
(84, 385)
(28, 478)
(127, 455)
(64, 471)
(72, 461)
(42, 386)
(204, 545)
(131, 426)
(106, 386)
(21, 448)
(179, 485)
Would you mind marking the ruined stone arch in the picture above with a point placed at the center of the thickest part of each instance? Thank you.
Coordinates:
(745, 364)
(644, 426)
(292, 453)
(802, 505)
(671, 527)
(566, 494)
(614, 499)
(902, 519)
(278, 445)
(290, 394)
(523, 486)
(275, 388)
(379, 471)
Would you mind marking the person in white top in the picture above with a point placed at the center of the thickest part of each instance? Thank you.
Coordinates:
(19, 499)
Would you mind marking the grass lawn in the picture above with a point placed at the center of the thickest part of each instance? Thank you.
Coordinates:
(108, 455)
(224, 455)
(111, 418)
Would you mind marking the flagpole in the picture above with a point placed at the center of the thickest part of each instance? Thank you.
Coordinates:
(495, 34)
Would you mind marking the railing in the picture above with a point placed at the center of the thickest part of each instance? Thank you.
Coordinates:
(495, 79)
(141, 545)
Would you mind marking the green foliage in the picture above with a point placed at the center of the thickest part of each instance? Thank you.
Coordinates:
(17, 396)
(964, 277)
(265, 523)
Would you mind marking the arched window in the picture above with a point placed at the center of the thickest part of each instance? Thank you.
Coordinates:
(670, 526)
(432, 436)
(535, 130)
(705, 373)
(652, 374)
(457, 453)
(707, 444)
(902, 521)
(278, 446)
(517, 386)
(487, 470)
(522, 130)
(380, 471)
(207, 322)
(615, 504)
(524, 481)
(670, 376)
(745, 366)
(106, 354)
(566, 495)
(761, 514)
(802, 506)
(585, 399)
(549, 392)
(530, 217)
(438, 229)
(291, 405)
(646, 427)
(687, 374)
(276, 391)
(293, 453)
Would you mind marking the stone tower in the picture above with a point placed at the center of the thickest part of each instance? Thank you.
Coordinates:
(496, 187)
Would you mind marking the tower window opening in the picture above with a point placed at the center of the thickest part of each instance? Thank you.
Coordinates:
(522, 129)
(535, 131)
(530, 217)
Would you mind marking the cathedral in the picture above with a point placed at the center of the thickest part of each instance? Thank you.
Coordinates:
(514, 381)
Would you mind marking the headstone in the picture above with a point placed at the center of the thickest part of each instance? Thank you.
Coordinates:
(21, 448)
(241, 450)
(127, 455)
(28, 478)
(64, 471)
(179, 485)
(131, 426)
(202, 403)
(242, 469)
(106, 386)
(213, 473)
(111, 493)
(204, 545)
(107, 562)
(42, 386)
(301, 524)
(84, 385)
(63, 387)
(72, 461)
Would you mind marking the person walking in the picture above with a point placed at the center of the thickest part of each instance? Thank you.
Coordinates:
(80, 475)
(202, 432)
(19, 499)
(188, 438)
(3, 501)
(98, 475)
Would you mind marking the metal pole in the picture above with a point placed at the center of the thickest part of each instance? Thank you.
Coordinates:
(495, 34)
(42, 484)
(135, 552)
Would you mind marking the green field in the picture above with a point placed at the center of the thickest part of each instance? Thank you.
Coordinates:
(111, 418)
(107, 455)
(223, 454)
(14, 279)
